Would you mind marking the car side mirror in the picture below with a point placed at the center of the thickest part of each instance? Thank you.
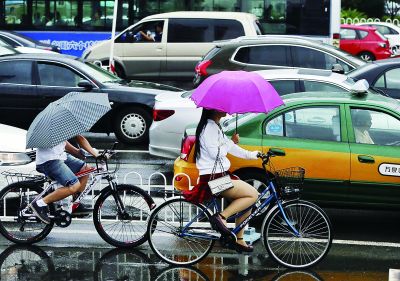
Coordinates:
(360, 87)
(337, 68)
(88, 86)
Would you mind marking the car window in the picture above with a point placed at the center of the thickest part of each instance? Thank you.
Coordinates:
(382, 29)
(393, 31)
(363, 34)
(152, 30)
(190, 30)
(389, 80)
(314, 86)
(264, 55)
(57, 75)
(16, 72)
(284, 87)
(313, 123)
(347, 34)
(375, 127)
(310, 58)
(227, 29)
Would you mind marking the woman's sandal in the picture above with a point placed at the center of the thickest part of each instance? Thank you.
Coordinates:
(218, 225)
(242, 248)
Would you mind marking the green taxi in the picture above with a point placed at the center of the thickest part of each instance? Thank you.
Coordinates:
(349, 145)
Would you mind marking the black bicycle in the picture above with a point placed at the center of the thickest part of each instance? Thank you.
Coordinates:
(119, 214)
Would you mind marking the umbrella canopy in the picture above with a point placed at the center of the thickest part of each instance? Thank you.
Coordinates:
(65, 118)
(237, 92)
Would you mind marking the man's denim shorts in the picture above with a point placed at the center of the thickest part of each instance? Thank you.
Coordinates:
(62, 171)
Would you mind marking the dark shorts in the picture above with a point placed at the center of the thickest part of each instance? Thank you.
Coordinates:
(62, 171)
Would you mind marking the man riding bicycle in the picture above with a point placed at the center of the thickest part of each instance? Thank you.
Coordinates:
(60, 166)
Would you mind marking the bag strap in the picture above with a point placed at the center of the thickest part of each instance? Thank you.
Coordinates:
(218, 160)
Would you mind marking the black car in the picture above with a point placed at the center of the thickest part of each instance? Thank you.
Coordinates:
(29, 82)
(381, 74)
(273, 52)
(18, 40)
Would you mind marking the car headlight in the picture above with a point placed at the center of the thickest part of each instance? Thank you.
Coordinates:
(383, 45)
(14, 158)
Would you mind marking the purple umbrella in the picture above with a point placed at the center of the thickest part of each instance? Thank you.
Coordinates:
(237, 92)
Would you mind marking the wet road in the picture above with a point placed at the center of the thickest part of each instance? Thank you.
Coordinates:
(366, 246)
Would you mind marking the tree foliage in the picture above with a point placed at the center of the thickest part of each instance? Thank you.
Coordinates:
(392, 8)
(372, 8)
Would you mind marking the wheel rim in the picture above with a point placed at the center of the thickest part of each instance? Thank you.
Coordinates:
(11, 222)
(303, 251)
(366, 57)
(166, 233)
(131, 226)
(133, 125)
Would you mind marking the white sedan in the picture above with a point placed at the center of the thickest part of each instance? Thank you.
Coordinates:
(13, 155)
(172, 113)
(390, 31)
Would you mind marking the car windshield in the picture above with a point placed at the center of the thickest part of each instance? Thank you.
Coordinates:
(341, 53)
(5, 51)
(186, 94)
(100, 74)
(380, 35)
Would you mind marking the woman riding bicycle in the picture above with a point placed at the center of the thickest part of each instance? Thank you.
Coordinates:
(210, 140)
(55, 163)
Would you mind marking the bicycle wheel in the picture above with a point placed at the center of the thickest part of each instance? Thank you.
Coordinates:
(182, 273)
(20, 262)
(290, 275)
(297, 252)
(167, 238)
(127, 229)
(22, 230)
(124, 264)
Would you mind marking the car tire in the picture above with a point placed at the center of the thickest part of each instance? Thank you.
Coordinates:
(131, 125)
(366, 56)
(120, 71)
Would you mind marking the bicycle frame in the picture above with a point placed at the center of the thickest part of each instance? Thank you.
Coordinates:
(273, 197)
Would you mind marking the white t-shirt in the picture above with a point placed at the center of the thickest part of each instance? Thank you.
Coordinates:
(54, 153)
(210, 139)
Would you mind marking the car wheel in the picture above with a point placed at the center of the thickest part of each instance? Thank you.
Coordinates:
(366, 56)
(131, 125)
(120, 71)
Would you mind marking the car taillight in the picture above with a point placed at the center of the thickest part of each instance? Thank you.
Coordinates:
(186, 147)
(161, 114)
(383, 45)
(201, 67)
(336, 36)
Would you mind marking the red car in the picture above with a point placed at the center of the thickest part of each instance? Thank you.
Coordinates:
(364, 41)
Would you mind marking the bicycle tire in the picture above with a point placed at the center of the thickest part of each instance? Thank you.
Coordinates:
(124, 264)
(20, 236)
(178, 273)
(26, 260)
(139, 206)
(171, 249)
(289, 250)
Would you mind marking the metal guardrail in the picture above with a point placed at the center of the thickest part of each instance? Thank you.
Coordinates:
(367, 20)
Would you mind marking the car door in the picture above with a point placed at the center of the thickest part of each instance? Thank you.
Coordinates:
(375, 156)
(18, 96)
(54, 81)
(389, 82)
(313, 137)
(349, 41)
(144, 58)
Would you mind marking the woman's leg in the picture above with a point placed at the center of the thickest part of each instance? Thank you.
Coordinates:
(242, 196)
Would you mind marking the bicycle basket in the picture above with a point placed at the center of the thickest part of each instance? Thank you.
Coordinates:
(289, 182)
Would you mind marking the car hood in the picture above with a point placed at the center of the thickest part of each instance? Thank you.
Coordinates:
(12, 139)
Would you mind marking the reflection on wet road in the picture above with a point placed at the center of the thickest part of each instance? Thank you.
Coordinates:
(45, 263)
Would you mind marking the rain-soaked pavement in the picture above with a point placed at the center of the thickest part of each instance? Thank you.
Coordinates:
(344, 263)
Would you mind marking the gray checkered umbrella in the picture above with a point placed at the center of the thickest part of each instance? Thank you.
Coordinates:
(65, 118)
